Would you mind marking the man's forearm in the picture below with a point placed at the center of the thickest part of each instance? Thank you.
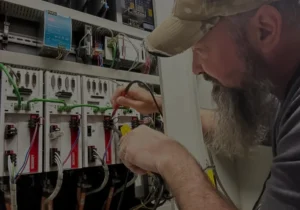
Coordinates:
(190, 185)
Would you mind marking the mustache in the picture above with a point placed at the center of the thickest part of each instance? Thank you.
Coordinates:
(211, 79)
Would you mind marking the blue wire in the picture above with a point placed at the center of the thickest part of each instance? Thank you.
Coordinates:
(74, 145)
(108, 146)
(25, 160)
(77, 138)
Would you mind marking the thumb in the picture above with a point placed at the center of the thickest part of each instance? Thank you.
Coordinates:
(127, 102)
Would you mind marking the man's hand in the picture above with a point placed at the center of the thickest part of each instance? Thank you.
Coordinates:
(136, 98)
(145, 149)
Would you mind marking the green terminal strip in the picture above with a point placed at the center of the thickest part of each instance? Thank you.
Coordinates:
(27, 106)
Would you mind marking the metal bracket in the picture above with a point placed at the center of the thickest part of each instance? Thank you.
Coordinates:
(5, 34)
(29, 41)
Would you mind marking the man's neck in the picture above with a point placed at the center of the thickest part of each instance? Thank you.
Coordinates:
(283, 70)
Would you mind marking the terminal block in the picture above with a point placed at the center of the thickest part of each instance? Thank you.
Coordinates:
(74, 123)
(91, 154)
(13, 158)
(108, 123)
(135, 122)
(53, 151)
(10, 131)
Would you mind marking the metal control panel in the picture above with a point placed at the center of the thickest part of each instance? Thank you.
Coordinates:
(62, 130)
(97, 132)
(21, 121)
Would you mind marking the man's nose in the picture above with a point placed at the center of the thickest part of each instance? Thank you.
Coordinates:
(197, 65)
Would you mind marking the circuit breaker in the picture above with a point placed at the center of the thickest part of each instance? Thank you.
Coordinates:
(21, 121)
(62, 130)
(97, 122)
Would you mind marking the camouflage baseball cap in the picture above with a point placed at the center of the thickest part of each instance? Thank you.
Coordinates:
(191, 20)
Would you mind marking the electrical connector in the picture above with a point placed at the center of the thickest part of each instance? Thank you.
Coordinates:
(10, 131)
(91, 154)
(53, 151)
(13, 158)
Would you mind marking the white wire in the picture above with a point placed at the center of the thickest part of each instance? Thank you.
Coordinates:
(59, 180)
(10, 169)
(100, 31)
(106, 175)
(136, 61)
(131, 182)
(13, 196)
(79, 44)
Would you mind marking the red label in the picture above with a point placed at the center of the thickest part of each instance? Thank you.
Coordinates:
(74, 154)
(34, 151)
(108, 146)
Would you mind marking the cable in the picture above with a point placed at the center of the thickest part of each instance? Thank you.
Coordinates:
(106, 175)
(218, 178)
(128, 184)
(79, 44)
(257, 204)
(59, 180)
(124, 189)
(148, 88)
(16, 89)
(108, 145)
(136, 61)
(34, 100)
(19, 173)
(69, 108)
(73, 146)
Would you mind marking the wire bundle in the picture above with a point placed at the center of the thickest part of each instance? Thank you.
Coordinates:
(160, 194)
(106, 174)
(59, 180)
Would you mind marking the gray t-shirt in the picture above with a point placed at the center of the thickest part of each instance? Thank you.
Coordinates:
(282, 190)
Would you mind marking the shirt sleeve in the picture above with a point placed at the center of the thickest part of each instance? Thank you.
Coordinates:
(283, 188)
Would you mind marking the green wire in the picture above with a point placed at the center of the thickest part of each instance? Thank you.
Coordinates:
(104, 109)
(34, 100)
(17, 93)
(69, 108)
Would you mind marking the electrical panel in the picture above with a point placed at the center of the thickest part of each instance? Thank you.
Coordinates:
(62, 130)
(137, 13)
(129, 51)
(21, 121)
(97, 132)
(56, 35)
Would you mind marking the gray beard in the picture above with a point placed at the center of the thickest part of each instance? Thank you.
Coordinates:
(242, 120)
(244, 115)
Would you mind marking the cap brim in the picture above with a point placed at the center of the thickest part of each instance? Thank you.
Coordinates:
(174, 36)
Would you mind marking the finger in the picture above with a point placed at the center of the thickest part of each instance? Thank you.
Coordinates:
(117, 93)
(138, 170)
(134, 169)
(127, 102)
(138, 94)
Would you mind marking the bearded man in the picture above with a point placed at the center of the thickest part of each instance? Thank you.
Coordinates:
(250, 51)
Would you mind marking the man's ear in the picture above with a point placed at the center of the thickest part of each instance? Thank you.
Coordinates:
(267, 26)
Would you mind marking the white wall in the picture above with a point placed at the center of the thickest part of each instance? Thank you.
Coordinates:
(225, 168)
(252, 172)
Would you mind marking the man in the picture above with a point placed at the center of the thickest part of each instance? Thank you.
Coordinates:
(250, 51)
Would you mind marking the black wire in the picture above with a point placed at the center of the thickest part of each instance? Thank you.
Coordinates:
(123, 191)
(148, 88)
(159, 200)
(159, 197)
(256, 205)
